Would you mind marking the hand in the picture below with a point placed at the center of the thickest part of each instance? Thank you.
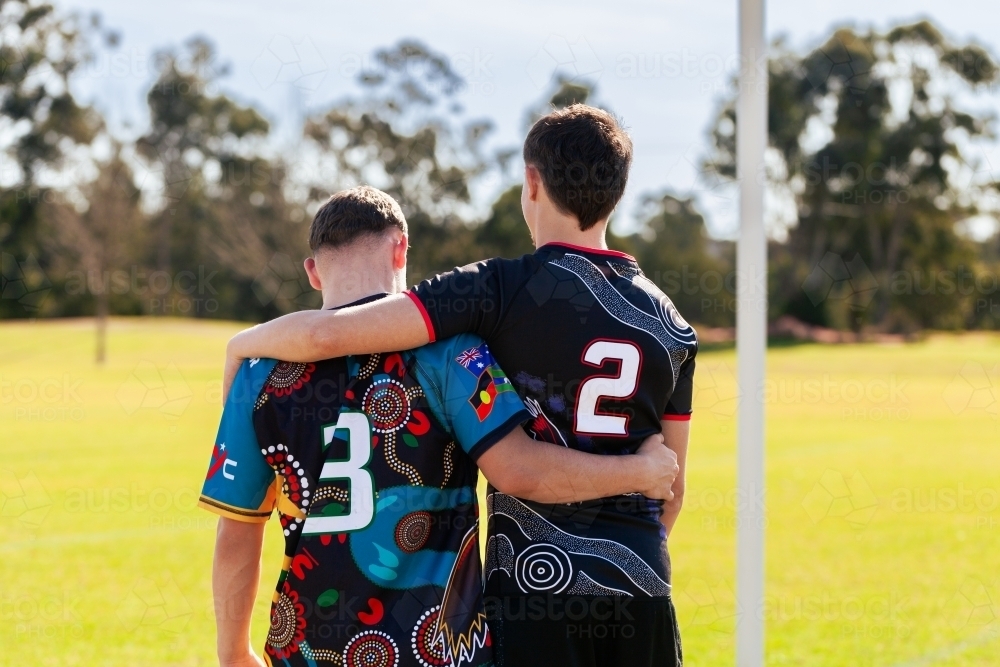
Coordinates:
(249, 660)
(660, 466)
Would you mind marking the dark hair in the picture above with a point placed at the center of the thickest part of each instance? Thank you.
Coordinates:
(351, 214)
(583, 156)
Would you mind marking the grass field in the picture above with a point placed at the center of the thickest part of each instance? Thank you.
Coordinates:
(883, 501)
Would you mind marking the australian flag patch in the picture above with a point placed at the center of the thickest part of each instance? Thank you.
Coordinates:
(492, 381)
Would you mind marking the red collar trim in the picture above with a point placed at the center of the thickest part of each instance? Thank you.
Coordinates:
(595, 251)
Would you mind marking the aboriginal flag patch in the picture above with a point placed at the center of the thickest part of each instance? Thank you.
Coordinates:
(491, 379)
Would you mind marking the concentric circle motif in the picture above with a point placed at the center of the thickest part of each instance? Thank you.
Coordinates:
(675, 317)
(386, 403)
(286, 377)
(413, 530)
(371, 648)
(283, 623)
(285, 374)
(543, 567)
(428, 652)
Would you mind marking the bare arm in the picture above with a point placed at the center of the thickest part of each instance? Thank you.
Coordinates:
(675, 437)
(235, 575)
(547, 473)
(392, 323)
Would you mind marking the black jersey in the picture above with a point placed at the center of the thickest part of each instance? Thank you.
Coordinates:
(599, 355)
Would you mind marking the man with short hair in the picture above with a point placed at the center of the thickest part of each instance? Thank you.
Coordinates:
(602, 359)
(376, 501)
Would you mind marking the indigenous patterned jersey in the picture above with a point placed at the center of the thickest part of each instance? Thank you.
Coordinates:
(600, 355)
(377, 503)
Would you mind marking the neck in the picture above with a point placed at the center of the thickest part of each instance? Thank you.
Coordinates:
(558, 228)
(343, 290)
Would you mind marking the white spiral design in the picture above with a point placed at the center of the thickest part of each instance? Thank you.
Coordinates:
(543, 567)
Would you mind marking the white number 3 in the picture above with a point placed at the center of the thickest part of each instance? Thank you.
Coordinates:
(588, 421)
(362, 493)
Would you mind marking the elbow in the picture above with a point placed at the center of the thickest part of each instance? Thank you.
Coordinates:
(319, 339)
(233, 535)
(675, 503)
(506, 484)
(228, 532)
(515, 484)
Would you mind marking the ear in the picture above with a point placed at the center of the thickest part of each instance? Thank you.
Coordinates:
(399, 248)
(532, 182)
(313, 273)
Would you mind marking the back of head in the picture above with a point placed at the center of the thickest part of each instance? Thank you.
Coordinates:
(351, 215)
(583, 156)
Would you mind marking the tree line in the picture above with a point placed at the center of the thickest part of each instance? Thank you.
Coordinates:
(872, 170)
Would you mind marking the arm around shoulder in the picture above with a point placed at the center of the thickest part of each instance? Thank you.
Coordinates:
(389, 324)
(548, 473)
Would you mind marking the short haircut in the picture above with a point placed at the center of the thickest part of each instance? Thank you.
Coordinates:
(352, 214)
(583, 156)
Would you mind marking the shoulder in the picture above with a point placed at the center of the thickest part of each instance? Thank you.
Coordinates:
(504, 267)
(250, 380)
(260, 369)
(440, 355)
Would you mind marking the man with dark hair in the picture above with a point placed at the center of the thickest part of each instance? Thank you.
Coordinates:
(583, 157)
(376, 501)
(601, 358)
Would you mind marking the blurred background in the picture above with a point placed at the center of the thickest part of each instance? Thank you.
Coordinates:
(160, 165)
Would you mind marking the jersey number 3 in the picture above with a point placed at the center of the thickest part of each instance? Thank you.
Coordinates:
(362, 484)
(623, 385)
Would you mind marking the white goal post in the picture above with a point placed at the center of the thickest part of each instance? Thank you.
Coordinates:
(751, 333)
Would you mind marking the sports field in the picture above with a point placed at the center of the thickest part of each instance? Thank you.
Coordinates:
(883, 501)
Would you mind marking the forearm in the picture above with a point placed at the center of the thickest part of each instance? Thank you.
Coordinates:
(235, 575)
(292, 337)
(547, 473)
(386, 325)
(389, 324)
(672, 508)
(572, 476)
(676, 436)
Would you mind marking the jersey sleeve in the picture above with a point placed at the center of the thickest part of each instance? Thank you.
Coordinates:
(240, 484)
(469, 299)
(679, 404)
(469, 393)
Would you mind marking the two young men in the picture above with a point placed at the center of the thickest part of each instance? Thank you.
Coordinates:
(600, 358)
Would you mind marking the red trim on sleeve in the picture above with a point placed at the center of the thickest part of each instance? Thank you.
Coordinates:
(596, 251)
(677, 418)
(423, 313)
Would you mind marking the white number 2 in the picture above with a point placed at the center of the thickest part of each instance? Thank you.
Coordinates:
(362, 489)
(596, 387)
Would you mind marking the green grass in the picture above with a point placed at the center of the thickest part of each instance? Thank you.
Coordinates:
(883, 501)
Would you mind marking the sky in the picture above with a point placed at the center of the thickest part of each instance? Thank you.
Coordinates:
(662, 66)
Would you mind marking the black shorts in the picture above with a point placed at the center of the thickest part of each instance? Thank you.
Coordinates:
(583, 631)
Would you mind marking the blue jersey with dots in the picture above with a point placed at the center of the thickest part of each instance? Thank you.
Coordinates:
(370, 464)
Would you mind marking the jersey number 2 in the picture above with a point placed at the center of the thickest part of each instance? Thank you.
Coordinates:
(588, 421)
(362, 484)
